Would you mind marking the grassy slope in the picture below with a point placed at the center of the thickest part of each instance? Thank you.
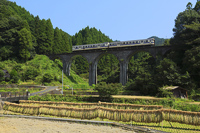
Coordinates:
(44, 65)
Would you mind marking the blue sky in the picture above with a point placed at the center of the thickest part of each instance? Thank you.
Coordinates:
(119, 19)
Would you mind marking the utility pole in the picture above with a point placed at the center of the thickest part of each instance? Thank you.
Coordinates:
(62, 82)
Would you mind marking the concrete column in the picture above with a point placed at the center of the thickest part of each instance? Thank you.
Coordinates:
(92, 74)
(123, 72)
(66, 68)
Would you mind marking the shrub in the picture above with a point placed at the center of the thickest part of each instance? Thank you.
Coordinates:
(31, 73)
(164, 92)
(106, 90)
(18, 67)
(14, 76)
(48, 77)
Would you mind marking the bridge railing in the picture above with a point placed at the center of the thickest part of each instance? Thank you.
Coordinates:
(14, 94)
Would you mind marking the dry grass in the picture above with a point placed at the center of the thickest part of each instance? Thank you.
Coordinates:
(135, 97)
(127, 96)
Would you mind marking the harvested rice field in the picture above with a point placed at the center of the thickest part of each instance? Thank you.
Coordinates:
(22, 125)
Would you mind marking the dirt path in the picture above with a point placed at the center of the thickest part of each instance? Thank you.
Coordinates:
(22, 125)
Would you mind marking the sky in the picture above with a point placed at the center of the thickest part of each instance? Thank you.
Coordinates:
(119, 19)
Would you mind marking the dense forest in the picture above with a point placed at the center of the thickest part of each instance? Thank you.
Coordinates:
(24, 36)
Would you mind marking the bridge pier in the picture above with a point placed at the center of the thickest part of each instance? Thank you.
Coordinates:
(66, 68)
(92, 73)
(123, 72)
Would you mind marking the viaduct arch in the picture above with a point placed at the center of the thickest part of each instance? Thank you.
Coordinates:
(122, 54)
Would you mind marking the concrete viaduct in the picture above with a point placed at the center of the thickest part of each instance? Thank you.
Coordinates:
(123, 54)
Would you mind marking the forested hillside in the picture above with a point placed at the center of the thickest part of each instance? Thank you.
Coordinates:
(22, 35)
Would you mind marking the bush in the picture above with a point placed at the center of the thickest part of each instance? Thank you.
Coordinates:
(14, 77)
(48, 77)
(164, 92)
(31, 73)
(18, 67)
(106, 90)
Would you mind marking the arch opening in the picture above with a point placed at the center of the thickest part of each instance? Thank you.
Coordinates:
(108, 68)
(80, 66)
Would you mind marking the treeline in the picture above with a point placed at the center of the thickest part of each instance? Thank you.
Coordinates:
(22, 35)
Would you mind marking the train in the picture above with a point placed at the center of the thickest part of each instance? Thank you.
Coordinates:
(107, 45)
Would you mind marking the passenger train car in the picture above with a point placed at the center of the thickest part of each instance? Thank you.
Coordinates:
(104, 45)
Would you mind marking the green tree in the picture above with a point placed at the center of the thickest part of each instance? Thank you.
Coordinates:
(141, 74)
(66, 42)
(37, 27)
(57, 48)
(186, 17)
(25, 42)
(192, 63)
(5, 52)
(50, 37)
(168, 73)
(108, 69)
(42, 46)
(80, 69)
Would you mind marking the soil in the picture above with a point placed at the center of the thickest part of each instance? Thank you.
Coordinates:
(23, 125)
